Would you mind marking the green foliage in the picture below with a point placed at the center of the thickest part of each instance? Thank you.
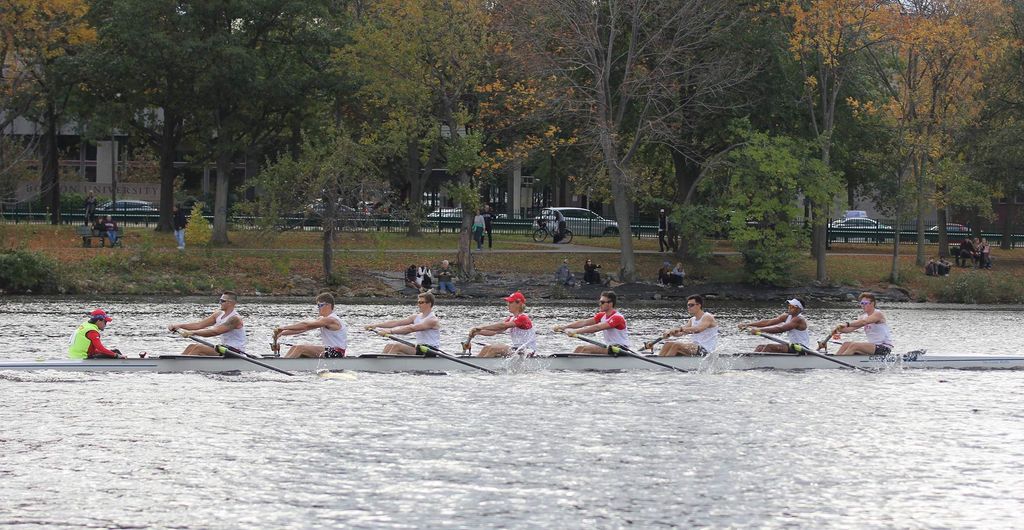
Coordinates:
(766, 177)
(22, 272)
(464, 195)
(698, 224)
(982, 287)
(198, 230)
(463, 154)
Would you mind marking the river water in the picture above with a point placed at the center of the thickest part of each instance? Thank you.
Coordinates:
(819, 449)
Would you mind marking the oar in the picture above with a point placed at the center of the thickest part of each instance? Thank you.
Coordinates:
(649, 345)
(622, 349)
(823, 343)
(423, 348)
(230, 351)
(801, 349)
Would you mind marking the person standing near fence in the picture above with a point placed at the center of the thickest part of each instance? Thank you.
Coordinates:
(488, 219)
(180, 220)
(662, 231)
(478, 229)
(111, 230)
(90, 207)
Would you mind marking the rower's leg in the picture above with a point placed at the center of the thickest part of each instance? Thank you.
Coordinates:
(200, 349)
(305, 350)
(677, 348)
(495, 350)
(857, 348)
(590, 349)
(772, 348)
(399, 349)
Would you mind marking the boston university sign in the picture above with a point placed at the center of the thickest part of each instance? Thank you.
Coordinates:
(147, 191)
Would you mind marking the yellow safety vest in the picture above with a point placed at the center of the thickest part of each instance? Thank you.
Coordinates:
(78, 348)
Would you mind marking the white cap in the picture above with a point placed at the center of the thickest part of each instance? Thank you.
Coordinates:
(795, 302)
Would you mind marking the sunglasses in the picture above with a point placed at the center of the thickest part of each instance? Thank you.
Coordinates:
(605, 302)
(422, 302)
(864, 302)
(320, 304)
(691, 305)
(223, 300)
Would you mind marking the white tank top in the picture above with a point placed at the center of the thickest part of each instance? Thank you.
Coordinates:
(878, 334)
(234, 338)
(335, 339)
(797, 336)
(614, 335)
(707, 339)
(524, 340)
(430, 337)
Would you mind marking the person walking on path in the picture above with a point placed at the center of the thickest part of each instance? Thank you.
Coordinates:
(180, 220)
(90, 207)
(488, 219)
(333, 332)
(662, 231)
(478, 229)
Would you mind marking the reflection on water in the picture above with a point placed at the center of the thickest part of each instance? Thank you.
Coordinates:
(732, 449)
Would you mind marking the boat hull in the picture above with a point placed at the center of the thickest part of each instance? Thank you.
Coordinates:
(390, 364)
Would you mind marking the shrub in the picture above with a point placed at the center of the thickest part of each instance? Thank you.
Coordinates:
(198, 230)
(22, 271)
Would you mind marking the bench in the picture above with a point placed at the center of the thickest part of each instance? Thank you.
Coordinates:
(88, 234)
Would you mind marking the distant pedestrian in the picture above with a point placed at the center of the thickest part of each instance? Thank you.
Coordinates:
(563, 276)
(180, 220)
(488, 219)
(478, 230)
(591, 276)
(662, 231)
(90, 207)
(111, 226)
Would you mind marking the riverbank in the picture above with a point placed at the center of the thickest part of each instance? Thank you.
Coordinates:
(371, 265)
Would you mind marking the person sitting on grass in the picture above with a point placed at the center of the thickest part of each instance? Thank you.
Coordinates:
(411, 279)
(563, 276)
(590, 273)
(445, 275)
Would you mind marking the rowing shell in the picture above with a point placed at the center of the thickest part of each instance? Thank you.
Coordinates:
(567, 362)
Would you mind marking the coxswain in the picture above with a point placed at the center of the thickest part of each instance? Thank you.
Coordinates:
(425, 325)
(518, 325)
(333, 332)
(702, 329)
(608, 320)
(792, 322)
(225, 323)
(85, 341)
(876, 330)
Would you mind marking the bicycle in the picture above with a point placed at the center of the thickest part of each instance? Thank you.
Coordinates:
(543, 231)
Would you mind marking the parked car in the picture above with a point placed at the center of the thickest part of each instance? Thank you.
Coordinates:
(859, 223)
(952, 228)
(583, 222)
(454, 214)
(128, 206)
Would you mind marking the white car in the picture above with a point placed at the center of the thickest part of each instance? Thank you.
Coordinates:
(583, 222)
(134, 206)
(859, 223)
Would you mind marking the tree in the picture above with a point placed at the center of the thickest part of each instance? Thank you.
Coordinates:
(419, 63)
(41, 43)
(331, 171)
(825, 37)
(620, 65)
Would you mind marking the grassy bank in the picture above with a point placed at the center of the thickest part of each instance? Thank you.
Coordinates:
(289, 264)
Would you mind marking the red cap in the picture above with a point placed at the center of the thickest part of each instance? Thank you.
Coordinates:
(99, 314)
(516, 297)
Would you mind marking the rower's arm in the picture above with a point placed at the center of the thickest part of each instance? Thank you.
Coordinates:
(491, 330)
(220, 329)
(594, 328)
(785, 326)
(306, 325)
(424, 325)
(705, 323)
(873, 318)
(192, 326)
(392, 323)
(763, 323)
(574, 325)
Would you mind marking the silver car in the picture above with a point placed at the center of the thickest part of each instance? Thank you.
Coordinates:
(583, 222)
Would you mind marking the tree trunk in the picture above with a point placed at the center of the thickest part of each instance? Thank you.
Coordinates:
(464, 257)
(329, 223)
(413, 175)
(922, 202)
(623, 207)
(1007, 240)
(686, 172)
(168, 150)
(894, 273)
(940, 216)
(220, 208)
(50, 167)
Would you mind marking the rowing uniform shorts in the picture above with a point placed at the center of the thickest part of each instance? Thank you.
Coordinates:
(702, 351)
(330, 351)
(882, 349)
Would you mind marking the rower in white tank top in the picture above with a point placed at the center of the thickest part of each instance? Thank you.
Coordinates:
(235, 337)
(876, 330)
(431, 336)
(798, 336)
(519, 326)
(608, 321)
(424, 325)
(789, 322)
(335, 339)
(878, 334)
(707, 339)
